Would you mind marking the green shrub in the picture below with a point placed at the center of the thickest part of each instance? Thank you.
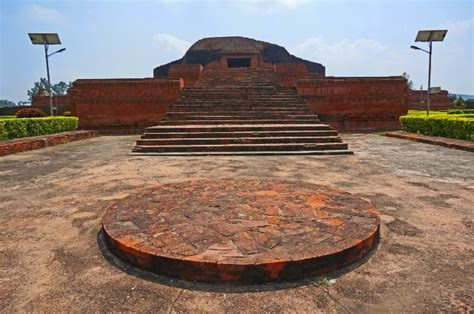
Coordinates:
(3, 132)
(461, 111)
(454, 126)
(21, 127)
(423, 113)
(30, 113)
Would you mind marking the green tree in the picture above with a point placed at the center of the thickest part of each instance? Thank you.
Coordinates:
(409, 82)
(58, 89)
(61, 87)
(6, 103)
(459, 103)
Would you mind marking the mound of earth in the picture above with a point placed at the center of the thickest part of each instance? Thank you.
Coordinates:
(211, 49)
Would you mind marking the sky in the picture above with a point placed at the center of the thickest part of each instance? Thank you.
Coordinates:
(120, 38)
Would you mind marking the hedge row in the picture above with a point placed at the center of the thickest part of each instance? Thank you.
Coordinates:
(21, 127)
(440, 125)
(461, 111)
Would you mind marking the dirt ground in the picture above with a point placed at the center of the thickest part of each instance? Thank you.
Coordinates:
(53, 259)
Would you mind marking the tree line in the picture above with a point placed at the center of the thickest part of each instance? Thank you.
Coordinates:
(58, 89)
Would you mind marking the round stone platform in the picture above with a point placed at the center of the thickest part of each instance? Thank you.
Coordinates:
(241, 230)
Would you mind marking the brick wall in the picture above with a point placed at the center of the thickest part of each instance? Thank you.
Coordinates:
(61, 102)
(417, 100)
(256, 61)
(188, 72)
(11, 111)
(289, 73)
(36, 142)
(122, 105)
(356, 103)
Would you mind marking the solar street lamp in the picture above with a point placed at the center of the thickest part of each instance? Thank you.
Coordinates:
(47, 39)
(429, 36)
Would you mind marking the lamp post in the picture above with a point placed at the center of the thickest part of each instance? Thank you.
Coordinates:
(49, 80)
(429, 75)
(429, 36)
(47, 39)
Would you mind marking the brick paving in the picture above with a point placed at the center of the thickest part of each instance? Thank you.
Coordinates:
(53, 260)
(241, 230)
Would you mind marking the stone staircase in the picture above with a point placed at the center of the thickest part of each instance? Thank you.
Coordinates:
(241, 111)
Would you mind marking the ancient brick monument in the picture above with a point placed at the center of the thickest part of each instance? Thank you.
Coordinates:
(235, 52)
(239, 96)
(235, 94)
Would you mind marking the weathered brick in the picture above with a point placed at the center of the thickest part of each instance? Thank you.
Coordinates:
(35, 142)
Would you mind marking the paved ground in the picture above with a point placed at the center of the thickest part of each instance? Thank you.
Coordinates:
(52, 257)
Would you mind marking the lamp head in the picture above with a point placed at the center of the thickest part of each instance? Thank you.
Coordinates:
(415, 47)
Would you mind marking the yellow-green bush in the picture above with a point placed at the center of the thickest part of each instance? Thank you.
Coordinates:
(461, 111)
(21, 127)
(459, 126)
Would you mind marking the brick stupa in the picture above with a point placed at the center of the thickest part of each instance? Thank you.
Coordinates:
(230, 95)
(234, 103)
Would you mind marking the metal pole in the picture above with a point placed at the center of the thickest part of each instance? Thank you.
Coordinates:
(49, 81)
(429, 82)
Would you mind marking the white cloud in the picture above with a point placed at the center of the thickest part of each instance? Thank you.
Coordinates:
(362, 45)
(456, 28)
(171, 44)
(452, 63)
(269, 7)
(292, 4)
(45, 15)
(345, 57)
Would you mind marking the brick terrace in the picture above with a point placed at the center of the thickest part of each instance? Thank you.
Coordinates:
(241, 230)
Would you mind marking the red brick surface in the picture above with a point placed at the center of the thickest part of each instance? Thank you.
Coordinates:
(35, 142)
(435, 140)
(345, 103)
(61, 102)
(418, 100)
(189, 73)
(356, 103)
(122, 104)
(11, 111)
(289, 73)
(241, 230)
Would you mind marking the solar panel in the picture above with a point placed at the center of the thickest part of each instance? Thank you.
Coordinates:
(431, 35)
(44, 38)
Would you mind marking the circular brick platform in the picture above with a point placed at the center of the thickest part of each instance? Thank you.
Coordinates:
(241, 230)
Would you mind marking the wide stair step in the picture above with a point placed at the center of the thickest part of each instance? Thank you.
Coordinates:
(239, 112)
(242, 147)
(237, 116)
(234, 121)
(236, 127)
(238, 140)
(238, 134)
